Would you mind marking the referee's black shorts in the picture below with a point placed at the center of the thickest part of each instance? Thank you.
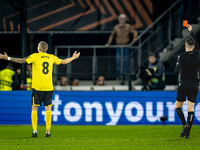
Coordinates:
(39, 97)
(187, 90)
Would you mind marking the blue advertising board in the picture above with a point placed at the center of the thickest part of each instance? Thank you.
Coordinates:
(96, 108)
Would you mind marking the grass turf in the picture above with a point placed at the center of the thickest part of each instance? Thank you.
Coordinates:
(99, 138)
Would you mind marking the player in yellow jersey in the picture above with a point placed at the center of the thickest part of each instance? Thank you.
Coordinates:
(42, 67)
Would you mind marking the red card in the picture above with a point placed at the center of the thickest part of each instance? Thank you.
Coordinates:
(185, 22)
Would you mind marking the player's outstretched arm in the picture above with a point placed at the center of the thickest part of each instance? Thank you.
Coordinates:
(16, 60)
(68, 60)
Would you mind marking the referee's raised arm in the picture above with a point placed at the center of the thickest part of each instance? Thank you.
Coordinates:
(196, 49)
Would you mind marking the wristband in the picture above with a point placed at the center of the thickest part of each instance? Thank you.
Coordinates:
(9, 58)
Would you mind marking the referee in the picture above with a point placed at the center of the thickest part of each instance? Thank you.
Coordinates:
(187, 65)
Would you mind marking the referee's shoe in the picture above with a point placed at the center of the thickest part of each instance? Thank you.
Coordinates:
(185, 130)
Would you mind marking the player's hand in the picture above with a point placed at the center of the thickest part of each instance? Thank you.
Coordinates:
(148, 72)
(107, 45)
(4, 56)
(189, 27)
(76, 55)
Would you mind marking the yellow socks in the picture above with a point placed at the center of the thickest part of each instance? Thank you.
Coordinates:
(48, 120)
(34, 120)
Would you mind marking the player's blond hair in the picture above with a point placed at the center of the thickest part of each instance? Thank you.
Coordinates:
(43, 46)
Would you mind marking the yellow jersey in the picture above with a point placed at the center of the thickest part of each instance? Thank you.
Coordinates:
(42, 68)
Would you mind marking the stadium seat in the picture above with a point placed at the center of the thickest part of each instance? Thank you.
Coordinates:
(81, 88)
(103, 88)
(120, 88)
(62, 88)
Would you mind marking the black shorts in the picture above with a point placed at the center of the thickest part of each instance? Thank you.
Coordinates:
(39, 97)
(187, 90)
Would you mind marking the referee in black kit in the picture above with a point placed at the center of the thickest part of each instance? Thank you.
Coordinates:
(188, 65)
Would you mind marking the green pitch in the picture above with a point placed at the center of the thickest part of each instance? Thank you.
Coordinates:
(99, 138)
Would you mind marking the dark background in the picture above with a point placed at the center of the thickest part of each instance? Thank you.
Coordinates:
(10, 43)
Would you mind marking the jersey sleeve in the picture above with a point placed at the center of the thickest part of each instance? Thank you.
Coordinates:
(56, 60)
(178, 66)
(30, 59)
(196, 49)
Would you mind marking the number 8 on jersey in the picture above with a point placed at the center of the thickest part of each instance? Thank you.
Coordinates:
(45, 67)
